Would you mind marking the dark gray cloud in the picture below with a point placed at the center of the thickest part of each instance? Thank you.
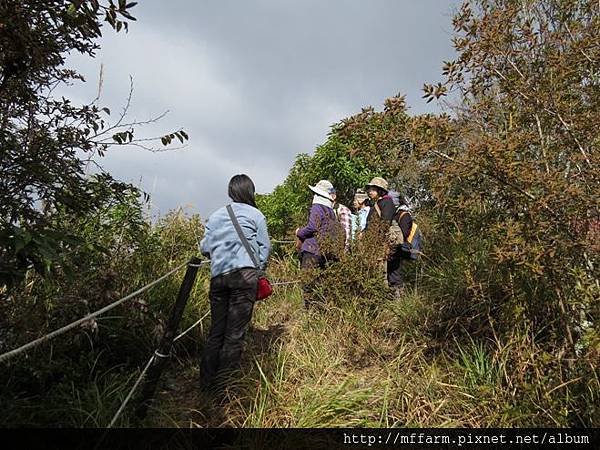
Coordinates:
(257, 82)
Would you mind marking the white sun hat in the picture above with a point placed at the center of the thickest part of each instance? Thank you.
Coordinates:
(324, 188)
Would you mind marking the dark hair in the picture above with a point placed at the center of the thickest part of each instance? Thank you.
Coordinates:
(241, 190)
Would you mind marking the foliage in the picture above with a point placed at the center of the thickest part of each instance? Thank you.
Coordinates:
(287, 206)
(44, 140)
(518, 166)
(499, 327)
(364, 360)
(88, 371)
(382, 140)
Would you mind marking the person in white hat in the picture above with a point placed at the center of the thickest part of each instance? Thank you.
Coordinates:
(321, 224)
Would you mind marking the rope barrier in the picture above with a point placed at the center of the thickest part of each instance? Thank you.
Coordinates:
(280, 283)
(192, 327)
(148, 364)
(283, 241)
(72, 325)
(143, 373)
(137, 383)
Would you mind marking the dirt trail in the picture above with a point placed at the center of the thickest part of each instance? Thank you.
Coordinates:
(180, 402)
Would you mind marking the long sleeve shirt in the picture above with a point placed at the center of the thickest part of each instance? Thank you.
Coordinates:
(320, 223)
(362, 217)
(223, 246)
(386, 205)
(344, 216)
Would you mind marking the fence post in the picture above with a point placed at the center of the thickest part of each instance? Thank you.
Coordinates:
(164, 349)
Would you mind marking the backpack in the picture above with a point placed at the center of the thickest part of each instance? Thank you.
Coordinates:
(409, 248)
(334, 238)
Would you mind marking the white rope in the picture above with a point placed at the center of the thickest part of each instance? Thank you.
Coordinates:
(199, 265)
(282, 242)
(280, 283)
(192, 327)
(137, 383)
(72, 325)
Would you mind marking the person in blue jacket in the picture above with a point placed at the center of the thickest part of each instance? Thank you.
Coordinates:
(233, 280)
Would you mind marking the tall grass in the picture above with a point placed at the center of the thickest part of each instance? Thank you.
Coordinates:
(366, 360)
(361, 359)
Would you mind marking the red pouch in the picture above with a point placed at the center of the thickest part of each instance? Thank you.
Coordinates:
(264, 288)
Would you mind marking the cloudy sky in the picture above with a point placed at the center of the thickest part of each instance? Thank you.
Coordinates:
(255, 82)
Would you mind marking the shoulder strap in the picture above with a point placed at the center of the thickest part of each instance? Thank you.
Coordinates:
(378, 209)
(413, 231)
(413, 228)
(240, 233)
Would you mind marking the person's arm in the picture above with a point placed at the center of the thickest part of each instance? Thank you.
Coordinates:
(205, 243)
(263, 241)
(387, 210)
(371, 216)
(311, 228)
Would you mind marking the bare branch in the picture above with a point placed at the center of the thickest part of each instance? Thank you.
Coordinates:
(542, 142)
(145, 122)
(574, 138)
(574, 40)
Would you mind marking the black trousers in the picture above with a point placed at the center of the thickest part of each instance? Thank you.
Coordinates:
(232, 297)
(310, 261)
(394, 271)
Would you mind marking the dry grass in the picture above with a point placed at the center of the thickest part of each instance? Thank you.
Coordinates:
(347, 366)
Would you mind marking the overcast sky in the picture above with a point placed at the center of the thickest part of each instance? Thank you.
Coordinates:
(255, 82)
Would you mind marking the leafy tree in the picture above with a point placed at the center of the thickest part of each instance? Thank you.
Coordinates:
(383, 141)
(518, 165)
(42, 137)
(287, 206)
(359, 147)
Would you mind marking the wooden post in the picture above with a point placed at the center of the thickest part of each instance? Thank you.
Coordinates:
(164, 349)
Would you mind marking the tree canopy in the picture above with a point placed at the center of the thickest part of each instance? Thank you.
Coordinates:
(45, 140)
